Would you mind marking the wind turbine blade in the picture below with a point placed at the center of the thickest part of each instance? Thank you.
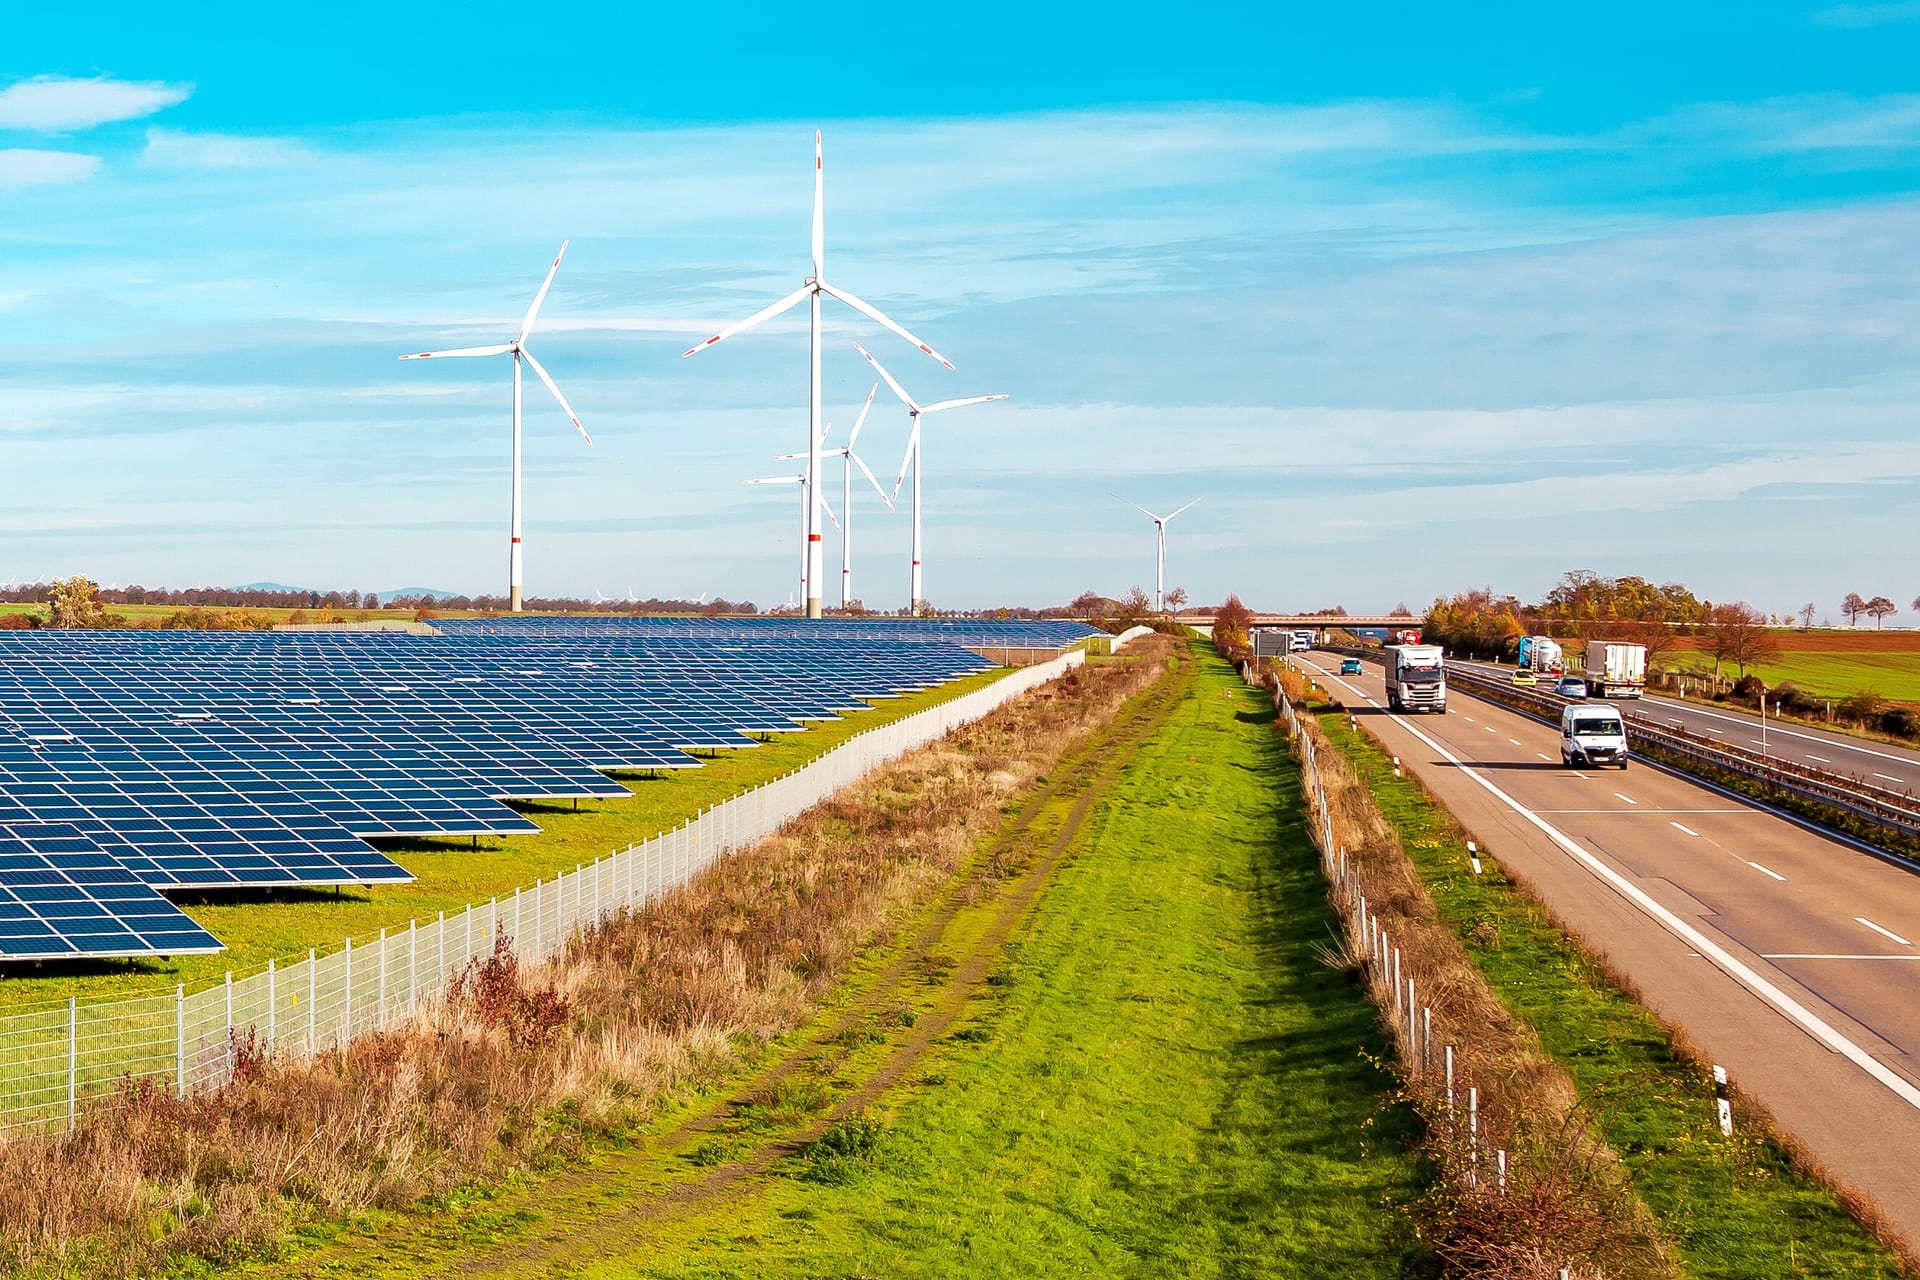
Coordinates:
(868, 473)
(898, 390)
(913, 443)
(778, 480)
(499, 350)
(539, 369)
(1137, 507)
(826, 509)
(764, 313)
(861, 421)
(957, 404)
(872, 313)
(788, 457)
(1182, 509)
(819, 206)
(526, 326)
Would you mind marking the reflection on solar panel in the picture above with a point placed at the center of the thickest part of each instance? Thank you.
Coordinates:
(151, 761)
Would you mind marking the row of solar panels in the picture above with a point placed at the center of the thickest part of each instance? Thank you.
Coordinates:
(133, 763)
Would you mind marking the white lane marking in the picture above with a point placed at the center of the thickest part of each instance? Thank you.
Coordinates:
(1516, 742)
(1544, 756)
(1785, 733)
(1821, 759)
(1885, 933)
(1629, 799)
(1649, 813)
(1889, 777)
(1758, 742)
(1689, 830)
(1796, 955)
(1490, 729)
(1469, 719)
(1765, 872)
(1710, 950)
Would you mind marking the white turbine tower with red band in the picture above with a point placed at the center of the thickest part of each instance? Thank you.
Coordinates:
(815, 285)
(518, 349)
(1160, 553)
(912, 458)
(848, 461)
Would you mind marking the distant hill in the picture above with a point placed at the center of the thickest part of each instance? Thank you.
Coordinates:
(267, 586)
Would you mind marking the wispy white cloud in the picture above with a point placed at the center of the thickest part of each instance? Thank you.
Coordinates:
(1852, 17)
(58, 104)
(174, 149)
(23, 167)
(1804, 123)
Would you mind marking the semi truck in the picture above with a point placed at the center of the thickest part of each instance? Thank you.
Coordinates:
(1616, 670)
(1301, 640)
(1416, 676)
(1541, 655)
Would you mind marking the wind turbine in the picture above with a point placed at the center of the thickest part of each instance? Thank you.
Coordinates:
(518, 349)
(848, 461)
(916, 410)
(806, 511)
(815, 286)
(1160, 555)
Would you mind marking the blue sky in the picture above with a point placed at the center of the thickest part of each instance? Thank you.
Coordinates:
(1413, 298)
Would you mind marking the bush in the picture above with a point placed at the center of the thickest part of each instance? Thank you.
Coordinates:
(1791, 700)
(1901, 722)
(1861, 705)
(1749, 687)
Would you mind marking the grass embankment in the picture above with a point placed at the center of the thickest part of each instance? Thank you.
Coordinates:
(524, 1071)
(452, 873)
(1161, 1076)
(1738, 1208)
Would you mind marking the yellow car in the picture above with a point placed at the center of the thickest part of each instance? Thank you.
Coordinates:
(1524, 676)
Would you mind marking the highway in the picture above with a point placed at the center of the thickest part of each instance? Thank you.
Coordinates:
(1788, 957)
(1874, 763)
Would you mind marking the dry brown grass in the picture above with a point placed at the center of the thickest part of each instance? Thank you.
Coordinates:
(1567, 1201)
(524, 1068)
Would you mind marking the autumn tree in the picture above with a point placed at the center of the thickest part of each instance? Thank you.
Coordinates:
(1231, 622)
(1852, 607)
(1176, 600)
(1880, 609)
(1737, 633)
(75, 602)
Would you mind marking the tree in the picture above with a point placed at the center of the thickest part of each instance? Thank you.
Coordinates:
(75, 603)
(1852, 607)
(1916, 604)
(1401, 611)
(1808, 609)
(1737, 633)
(1176, 600)
(1230, 624)
(1879, 609)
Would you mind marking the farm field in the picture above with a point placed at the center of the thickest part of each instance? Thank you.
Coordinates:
(450, 872)
(1828, 673)
(1123, 1054)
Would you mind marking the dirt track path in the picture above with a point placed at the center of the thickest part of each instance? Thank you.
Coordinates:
(619, 1200)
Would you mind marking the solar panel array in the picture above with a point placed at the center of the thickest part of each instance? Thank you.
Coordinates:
(133, 764)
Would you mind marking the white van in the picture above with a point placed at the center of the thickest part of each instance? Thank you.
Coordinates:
(1592, 734)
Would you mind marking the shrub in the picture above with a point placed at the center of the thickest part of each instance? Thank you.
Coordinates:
(1861, 705)
(1749, 687)
(1901, 722)
(1793, 700)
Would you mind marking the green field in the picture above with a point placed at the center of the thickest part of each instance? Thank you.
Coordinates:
(1156, 1074)
(452, 873)
(1827, 674)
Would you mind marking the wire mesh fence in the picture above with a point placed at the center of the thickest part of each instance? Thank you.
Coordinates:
(52, 1060)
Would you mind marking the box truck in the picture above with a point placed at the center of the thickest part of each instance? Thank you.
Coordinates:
(1416, 676)
(1616, 670)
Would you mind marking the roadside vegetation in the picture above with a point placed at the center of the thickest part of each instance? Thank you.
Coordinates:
(530, 1069)
(1750, 1206)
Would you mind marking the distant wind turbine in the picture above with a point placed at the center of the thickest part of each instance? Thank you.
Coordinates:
(912, 458)
(848, 461)
(806, 511)
(815, 285)
(518, 349)
(1160, 553)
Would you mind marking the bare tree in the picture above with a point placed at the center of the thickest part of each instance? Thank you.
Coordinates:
(1880, 609)
(1176, 600)
(1808, 609)
(1737, 633)
(1852, 607)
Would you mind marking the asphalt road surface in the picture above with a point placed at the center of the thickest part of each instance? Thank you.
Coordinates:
(1874, 763)
(1790, 958)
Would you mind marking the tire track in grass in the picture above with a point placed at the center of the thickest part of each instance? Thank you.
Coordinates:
(584, 1212)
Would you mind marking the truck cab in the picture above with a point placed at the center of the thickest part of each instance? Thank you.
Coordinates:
(1592, 735)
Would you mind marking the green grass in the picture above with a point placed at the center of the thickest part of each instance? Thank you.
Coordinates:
(1826, 674)
(452, 873)
(1735, 1207)
(1164, 1079)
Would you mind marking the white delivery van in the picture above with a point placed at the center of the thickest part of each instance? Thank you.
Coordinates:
(1592, 735)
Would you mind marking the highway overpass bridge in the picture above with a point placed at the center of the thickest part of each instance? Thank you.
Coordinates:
(1202, 621)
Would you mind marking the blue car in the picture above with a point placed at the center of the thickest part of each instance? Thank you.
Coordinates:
(1349, 666)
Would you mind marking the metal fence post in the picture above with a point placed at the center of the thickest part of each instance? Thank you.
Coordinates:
(180, 1040)
(73, 1059)
(380, 991)
(346, 1008)
(313, 1002)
